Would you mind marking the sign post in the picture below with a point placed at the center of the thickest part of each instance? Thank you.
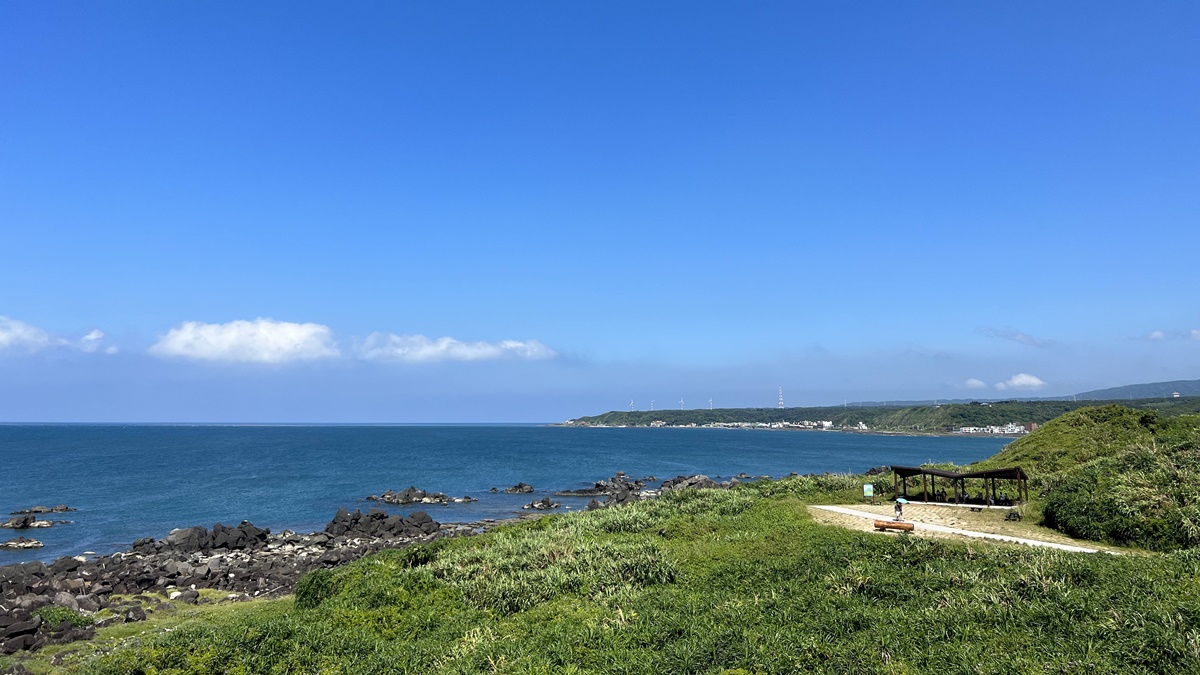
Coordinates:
(869, 492)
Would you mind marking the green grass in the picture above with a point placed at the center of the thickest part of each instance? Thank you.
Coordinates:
(708, 582)
(1078, 437)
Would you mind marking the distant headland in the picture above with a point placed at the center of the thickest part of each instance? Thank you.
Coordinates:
(975, 417)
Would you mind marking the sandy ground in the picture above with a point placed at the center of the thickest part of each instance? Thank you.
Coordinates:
(990, 522)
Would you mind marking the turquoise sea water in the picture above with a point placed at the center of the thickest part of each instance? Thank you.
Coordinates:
(137, 481)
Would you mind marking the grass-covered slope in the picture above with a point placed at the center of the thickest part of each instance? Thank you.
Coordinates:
(1147, 495)
(1078, 437)
(1116, 475)
(739, 581)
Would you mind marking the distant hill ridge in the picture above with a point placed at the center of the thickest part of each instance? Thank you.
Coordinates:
(905, 419)
(1148, 390)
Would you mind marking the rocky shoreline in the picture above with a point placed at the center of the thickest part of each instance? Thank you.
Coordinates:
(241, 562)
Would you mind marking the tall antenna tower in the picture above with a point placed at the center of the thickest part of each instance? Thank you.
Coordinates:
(781, 398)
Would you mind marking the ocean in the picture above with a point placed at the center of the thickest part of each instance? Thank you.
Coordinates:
(138, 481)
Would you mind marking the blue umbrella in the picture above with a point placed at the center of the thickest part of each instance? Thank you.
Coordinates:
(902, 500)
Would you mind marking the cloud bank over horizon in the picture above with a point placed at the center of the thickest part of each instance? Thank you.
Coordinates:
(420, 349)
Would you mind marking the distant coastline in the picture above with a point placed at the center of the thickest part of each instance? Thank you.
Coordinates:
(975, 418)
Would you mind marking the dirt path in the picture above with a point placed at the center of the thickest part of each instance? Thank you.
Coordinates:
(862, 517)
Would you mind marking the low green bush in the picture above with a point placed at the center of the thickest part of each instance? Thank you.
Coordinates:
(54, 616)
(1147, 496)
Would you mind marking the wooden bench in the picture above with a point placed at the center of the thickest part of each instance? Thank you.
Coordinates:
(882, 525)
(1013, 515)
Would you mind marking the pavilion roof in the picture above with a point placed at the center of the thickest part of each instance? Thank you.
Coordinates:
(1010, 473)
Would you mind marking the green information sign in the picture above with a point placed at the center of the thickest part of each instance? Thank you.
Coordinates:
(868, 490)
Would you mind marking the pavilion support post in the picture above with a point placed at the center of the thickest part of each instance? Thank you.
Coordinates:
(924, 489)
(895, 487)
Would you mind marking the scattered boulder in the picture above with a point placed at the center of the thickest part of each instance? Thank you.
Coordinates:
(195, 538)
(542, 504)
(65, 599)
(618, 483)
(379, 524)
(61, 508)
(683, 482)
(414, 495)
(21, 522)
(519, 489)
(21, 543)
(616, 499)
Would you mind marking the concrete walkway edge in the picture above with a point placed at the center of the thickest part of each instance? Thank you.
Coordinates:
(954, 530)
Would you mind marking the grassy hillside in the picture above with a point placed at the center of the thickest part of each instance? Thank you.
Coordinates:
(1116, 475)
(1077, 437)
(739, 581)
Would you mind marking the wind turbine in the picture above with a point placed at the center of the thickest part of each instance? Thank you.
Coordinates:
(710, 403)
(681, 403)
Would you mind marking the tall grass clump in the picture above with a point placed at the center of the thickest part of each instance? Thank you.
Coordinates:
(830, 487)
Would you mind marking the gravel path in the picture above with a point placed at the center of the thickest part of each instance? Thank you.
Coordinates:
(957, 531)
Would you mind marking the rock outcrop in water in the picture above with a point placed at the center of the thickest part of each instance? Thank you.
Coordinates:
(414, 495)
(61, 508)
(519, 489)
(618, 483)
(21, 543)
(25, 522)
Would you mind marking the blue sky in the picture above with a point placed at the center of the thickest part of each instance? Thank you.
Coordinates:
(407, 212)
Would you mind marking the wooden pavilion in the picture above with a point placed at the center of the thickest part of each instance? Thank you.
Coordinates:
(901, 474)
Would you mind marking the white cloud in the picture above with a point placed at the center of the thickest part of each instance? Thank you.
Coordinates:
(1156, 335)
(975, 383)
(94, 342)
(1195, 334)
(19, 336)
(258, 341)
(1021, 381)
(420, 349)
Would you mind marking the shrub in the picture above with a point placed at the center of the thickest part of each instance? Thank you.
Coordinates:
(1147, 496)
(56, 615)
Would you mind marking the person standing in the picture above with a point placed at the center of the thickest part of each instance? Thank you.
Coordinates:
(899, 510)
